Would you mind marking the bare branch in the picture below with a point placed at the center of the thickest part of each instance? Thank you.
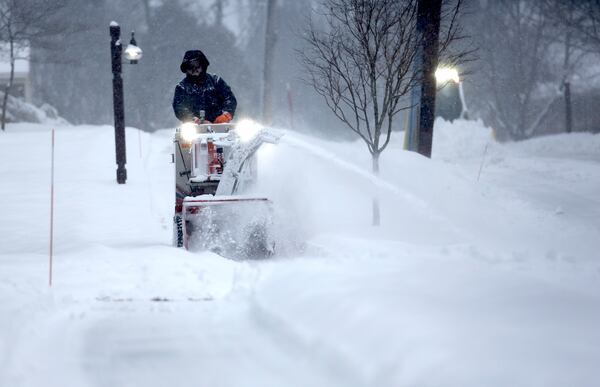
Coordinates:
(361, 60)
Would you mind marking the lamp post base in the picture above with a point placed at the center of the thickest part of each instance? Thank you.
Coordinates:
(121, 175)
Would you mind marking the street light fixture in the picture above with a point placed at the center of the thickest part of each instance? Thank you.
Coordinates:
(133, 54)
(447, 74)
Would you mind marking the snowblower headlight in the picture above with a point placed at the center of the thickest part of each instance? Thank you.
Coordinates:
(188, 132)
(247, 130)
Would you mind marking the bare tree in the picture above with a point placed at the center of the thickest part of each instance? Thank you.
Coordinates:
(583, 17)
(528, 56)
(572, 31)
(513, 47)
(22, 21)
(361, 62)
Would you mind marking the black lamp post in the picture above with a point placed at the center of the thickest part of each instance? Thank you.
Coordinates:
(133, 53)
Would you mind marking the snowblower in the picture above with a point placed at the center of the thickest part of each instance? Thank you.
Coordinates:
(215, 165)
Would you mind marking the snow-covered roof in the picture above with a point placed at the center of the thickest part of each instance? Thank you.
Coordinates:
(21, 64)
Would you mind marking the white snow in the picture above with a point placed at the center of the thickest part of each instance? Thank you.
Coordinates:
(467, 283)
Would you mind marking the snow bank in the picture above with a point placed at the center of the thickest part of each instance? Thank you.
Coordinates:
(584, 146)
(461, 140)
(461, 196)
(468, 139)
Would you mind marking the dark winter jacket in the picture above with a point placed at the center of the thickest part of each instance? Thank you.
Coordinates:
(209, 93)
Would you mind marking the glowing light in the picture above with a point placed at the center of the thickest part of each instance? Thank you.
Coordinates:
(247, 130)
(188, 131)
(133, 53)
(447, 74)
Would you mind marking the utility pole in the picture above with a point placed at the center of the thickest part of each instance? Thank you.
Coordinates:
(116, 49)
(566, 65)
(410, 136)
(270, 39)
(568, 110)
(428, 31)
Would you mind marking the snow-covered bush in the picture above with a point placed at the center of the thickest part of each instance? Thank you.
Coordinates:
(18, 110)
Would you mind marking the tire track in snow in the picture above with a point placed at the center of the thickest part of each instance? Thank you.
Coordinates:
(312, 350)
(337, 368)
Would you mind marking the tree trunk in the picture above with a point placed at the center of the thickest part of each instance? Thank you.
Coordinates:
(428, 31)
(567, 83)
(4, 103)
(218, 12)
(376, 210)
(270, 39)
(147, 13)
(10, 82)
(568, 110)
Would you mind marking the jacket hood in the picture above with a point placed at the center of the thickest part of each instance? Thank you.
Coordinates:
(194, 55)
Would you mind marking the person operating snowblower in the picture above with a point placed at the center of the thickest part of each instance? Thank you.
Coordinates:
(215, 166)
(202, 92)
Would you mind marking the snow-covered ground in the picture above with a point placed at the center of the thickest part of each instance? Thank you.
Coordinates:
(473, 279)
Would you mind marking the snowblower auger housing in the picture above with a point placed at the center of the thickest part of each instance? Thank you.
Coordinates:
(214, 165)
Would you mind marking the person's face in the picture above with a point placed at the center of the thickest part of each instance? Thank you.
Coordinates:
(194, 69)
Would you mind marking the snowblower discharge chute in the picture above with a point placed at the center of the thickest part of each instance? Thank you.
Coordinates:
(215, 164)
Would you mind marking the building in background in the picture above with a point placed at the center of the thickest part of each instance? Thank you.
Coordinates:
(22, 86)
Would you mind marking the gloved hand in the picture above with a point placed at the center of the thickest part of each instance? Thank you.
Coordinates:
(224, 118)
